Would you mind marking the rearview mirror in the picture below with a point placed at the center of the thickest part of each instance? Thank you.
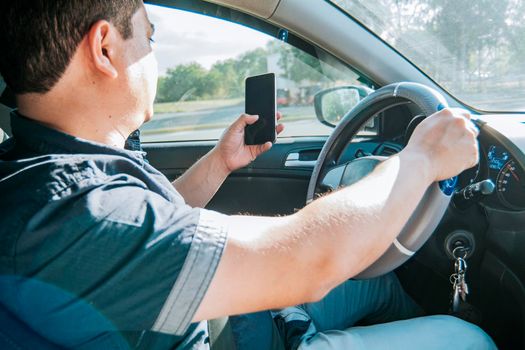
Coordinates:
(331, 105)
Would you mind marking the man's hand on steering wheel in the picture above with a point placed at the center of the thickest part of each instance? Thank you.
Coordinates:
(448, 140)
(441, 147)
(231, 147)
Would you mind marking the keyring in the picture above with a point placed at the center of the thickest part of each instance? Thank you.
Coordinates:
(465, 250)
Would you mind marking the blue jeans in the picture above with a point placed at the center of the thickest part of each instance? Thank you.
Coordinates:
(367, 314)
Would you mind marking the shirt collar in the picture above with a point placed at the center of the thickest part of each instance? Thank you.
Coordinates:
(46, 140)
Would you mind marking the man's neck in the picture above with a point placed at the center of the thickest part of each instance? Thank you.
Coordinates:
(78, 120)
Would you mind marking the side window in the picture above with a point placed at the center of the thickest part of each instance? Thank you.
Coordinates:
(203, 62)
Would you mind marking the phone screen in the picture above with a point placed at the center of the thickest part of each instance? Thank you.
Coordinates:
(260, 100)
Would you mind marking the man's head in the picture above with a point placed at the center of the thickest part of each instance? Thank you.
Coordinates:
(95, 50)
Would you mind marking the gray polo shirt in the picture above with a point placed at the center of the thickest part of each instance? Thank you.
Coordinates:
(97, 249)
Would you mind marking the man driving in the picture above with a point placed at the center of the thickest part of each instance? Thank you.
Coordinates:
(100, 250)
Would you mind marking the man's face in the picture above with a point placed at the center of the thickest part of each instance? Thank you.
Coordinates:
(140, 67)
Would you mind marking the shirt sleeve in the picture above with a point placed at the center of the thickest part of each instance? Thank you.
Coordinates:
(195, 276)
(141, 261)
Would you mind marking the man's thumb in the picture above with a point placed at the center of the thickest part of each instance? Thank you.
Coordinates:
(244, 119)
(250, 118)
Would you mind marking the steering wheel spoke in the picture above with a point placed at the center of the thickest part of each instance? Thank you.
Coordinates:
(332, 179)
(359, 168)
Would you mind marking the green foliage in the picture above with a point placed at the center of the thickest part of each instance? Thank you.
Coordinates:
(468, 39)
(225, 79)
(474, 44)
(296, 64)
(229, 75)
(184, 82)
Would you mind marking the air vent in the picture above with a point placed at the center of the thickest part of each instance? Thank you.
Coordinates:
(387, 149)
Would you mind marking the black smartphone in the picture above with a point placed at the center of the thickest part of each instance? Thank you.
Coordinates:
(260, 100)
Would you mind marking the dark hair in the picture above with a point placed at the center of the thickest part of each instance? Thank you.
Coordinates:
(39, 37)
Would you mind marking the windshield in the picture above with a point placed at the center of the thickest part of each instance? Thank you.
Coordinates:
(474, 49)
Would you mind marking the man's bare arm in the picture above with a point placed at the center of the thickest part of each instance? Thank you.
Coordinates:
(276, 262)
(200, 183)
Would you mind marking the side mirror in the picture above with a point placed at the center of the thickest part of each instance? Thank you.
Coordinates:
(331, 105)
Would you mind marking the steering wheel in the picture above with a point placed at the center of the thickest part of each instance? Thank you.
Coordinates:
(328, 174)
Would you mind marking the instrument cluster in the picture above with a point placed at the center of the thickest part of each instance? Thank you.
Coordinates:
(508, 176)
(498, 165)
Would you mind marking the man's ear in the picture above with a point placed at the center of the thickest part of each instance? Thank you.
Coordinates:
(101, 41)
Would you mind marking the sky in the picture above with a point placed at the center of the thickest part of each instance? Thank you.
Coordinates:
(183, 37)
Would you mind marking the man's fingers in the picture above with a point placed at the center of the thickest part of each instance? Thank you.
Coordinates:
(279, 115)
(262, 148)
(250, 118)
(456, 112)
(266, 146)
(243, 120)
(460, 112)
(279, 128)
(472, 127)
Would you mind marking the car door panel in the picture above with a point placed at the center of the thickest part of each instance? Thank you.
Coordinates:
(275, 183)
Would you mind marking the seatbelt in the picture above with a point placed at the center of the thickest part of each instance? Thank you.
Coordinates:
(220, 334)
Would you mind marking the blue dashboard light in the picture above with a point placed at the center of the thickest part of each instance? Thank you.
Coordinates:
(497, 158)
(283, 35)
(448, 186)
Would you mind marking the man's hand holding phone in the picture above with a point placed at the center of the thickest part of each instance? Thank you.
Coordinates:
(231, 147)
(256, 130)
